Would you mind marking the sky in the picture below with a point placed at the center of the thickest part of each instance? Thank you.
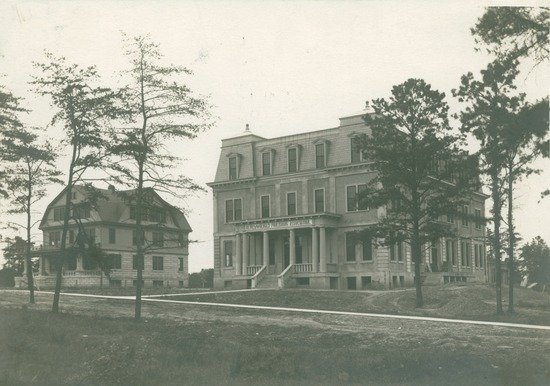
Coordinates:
(283, 67)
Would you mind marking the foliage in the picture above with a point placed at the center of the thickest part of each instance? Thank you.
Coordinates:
(7, 277)
(514, 32)
(14, 255)
(536, 261)
(421, 172)
(202, 279)
(84, 110)
(162, 109)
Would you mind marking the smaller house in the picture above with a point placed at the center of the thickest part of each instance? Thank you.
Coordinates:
(109, 223)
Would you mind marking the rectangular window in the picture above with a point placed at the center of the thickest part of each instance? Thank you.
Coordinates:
(320, 155)
(481, 255)
(319, 200)
(264, 202)
(266, 164)
(400, 252)
(158, 263)
(468, 257)
(476, 255)
(132, 212)
(367, 248)
(115, 283)
(350, 247)
(158, 239)
(112, 235)
(352, 283)
(478, 219)
(55, 238)
(233, 168)
(356, 153)
(59, 213)
(90, 235)
(366, 282)
(292, 160)
(233, 210)
(135, 262)
(71, 236)
(228, 251)
(81, 212)
(135, 237)
(180, 264)
(355, 199)
(291, 203)
(463, 253)
(465, 221)
(116, 260)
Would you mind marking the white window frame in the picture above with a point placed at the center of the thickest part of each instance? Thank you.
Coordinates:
(295, 202)
(315, 201)
(268, 206)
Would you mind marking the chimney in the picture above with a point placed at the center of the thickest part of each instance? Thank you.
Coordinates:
(111, 188)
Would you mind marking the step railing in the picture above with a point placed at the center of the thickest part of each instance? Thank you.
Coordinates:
(252, 269)
(258, 276)
(284, 276)
(304, 267)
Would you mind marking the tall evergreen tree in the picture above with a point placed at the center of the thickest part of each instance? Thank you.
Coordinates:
(491, 104)
(162, 109)
(31, 168)
(83, 110)
(421, 172)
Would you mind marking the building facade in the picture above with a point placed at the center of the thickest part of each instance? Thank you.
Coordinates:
(110, 225)
(286, 209)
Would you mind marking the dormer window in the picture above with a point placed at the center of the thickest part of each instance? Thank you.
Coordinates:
(356, 150)
(293, 157)
(233, 168)
(320, 156)
(266, 164)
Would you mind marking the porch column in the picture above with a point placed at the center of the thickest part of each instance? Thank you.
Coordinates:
(41, 268)
(314, 249)
(79, 263)
(292, 247)
(238, 255)
(323, 249)
(47, 265)
(266, 248)
(25, 266)
(245, 252)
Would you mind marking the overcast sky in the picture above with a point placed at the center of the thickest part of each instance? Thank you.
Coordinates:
(283, 67)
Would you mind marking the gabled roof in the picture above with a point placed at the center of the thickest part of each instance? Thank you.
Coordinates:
(112, 205)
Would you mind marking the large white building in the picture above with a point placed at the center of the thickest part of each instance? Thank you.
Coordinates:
(285, 209)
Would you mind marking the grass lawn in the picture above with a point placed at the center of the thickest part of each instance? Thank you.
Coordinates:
(206, 346)
(447, 301)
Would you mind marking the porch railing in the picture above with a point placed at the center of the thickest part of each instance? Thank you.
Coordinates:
(284, 276)
(305, 267)
(82, 273)
(258, 276)
(252, 269)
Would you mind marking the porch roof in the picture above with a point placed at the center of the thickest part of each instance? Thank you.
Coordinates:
(324, 219)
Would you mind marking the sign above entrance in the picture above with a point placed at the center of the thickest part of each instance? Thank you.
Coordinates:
(275, 225)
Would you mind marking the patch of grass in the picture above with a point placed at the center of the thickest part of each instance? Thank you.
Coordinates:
(40, 348)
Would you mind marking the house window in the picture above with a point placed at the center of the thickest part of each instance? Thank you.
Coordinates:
(465, 221)
(353, 198)
(450, 250)
(158, 283)
(233, 210)
(135, 238)
(396, 252)
(478, 219)
(135, 262)
(81, 212)
(158, 239)
(132, 212)
(55, 238)
(292, 159)
(351, 282)
(116, 260)
(319, 200)
(232, 168)
(350, 247)
(228, 251)
(450, 218)
(320, 155)
(90, 235)
(367, 248)
(476, 255)
(112, 235)
(463, 253)
(366, 282)
(266, 164)
(356, 152)
(59, 213)
(180, 265)
(291, 203)
(158, 263)
(71, 236)
(264, 201)
(115, 283)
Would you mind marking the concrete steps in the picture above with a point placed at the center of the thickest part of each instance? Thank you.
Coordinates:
(268, 281)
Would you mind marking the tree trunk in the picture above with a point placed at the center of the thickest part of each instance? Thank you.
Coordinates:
(416, 251)
(511, 241)
(497, 207)
(68, 193)
(139, 252)
(30, 277)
